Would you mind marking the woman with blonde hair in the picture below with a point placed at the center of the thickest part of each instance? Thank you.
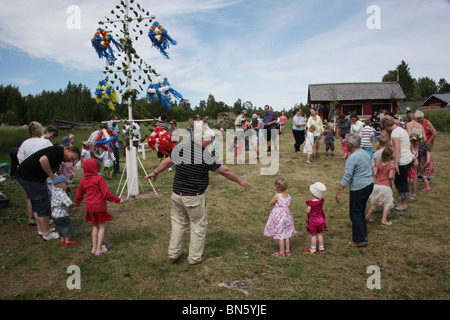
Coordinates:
(403, 159)
(33, 144)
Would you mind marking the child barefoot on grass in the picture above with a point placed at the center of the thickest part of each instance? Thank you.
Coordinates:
(97, 192)
(280, 224)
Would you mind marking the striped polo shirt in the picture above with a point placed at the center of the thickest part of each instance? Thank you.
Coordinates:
(366, 133)
(193, 164)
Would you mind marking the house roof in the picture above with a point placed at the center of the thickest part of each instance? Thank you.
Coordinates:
(356, 91)
(445, 97)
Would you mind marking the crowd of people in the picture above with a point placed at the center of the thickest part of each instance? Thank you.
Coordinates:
(403, 154)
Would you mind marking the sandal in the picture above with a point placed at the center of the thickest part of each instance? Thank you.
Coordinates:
(425, 190)
(388, 223)
(65, 244)
(279, 254)
(309, 250)
(398, 208)
(288, 253)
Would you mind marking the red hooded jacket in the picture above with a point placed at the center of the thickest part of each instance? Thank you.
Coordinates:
(95, 188)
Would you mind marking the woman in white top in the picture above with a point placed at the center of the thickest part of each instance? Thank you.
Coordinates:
(316, 121)
(356, 125)
(33, 144)
(403, 159)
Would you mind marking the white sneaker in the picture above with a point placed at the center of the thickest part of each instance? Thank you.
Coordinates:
(40, 234)
(53, 235)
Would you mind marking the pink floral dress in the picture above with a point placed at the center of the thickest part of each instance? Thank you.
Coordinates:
(280, 224)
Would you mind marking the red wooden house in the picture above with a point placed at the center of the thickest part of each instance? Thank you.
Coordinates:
(436, 101)
(362, 98)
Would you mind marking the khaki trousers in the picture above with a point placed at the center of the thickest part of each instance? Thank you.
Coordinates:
(188, 211)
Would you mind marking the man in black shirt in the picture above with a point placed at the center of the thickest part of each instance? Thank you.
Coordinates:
(193, 163)
(32, 175)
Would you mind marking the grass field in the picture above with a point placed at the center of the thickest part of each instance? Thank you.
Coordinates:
(412, 254)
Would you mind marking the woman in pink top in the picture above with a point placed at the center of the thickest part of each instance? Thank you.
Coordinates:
(382, 192)
(283, 120)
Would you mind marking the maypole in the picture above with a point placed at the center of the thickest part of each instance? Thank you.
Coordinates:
(131, 152)
(102, 42)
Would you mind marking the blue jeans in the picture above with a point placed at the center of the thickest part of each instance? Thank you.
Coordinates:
(64, 225)
(358, 200)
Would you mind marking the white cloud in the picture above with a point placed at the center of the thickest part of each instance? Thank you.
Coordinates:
(22, 81)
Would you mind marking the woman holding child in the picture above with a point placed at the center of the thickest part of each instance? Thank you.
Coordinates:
(316, 121)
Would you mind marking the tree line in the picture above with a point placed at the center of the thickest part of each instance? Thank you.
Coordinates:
(76, 102)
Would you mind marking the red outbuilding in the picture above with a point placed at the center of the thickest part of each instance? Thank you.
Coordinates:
(438, 101)
(362, 98)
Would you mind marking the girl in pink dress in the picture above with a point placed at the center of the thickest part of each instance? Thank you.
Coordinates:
(280, 224)
(316, 217)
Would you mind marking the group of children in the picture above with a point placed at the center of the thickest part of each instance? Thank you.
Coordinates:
(280, 224)
(367, 135)
(96, 192)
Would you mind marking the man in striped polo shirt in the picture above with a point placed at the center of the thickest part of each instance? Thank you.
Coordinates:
(193, 163)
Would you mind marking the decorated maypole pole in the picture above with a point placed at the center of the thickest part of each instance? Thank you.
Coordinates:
(103, 42)
(131, 152)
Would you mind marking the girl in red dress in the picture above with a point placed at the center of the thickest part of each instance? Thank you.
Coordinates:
(97, 192)
(316, 217)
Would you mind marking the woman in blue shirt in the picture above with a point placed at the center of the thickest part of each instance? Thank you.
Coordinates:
(298, 129)
(358, 176)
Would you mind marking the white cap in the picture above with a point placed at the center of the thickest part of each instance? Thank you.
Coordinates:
(208, 135)
(318, 189)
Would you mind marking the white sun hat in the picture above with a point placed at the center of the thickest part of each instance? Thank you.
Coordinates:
(318, 189)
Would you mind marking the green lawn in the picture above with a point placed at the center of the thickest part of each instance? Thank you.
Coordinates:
(412, 254)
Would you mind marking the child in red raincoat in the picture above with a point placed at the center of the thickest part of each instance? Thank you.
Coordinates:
(97, 192)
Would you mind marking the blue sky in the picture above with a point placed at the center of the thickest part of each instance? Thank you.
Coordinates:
(266, 52)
